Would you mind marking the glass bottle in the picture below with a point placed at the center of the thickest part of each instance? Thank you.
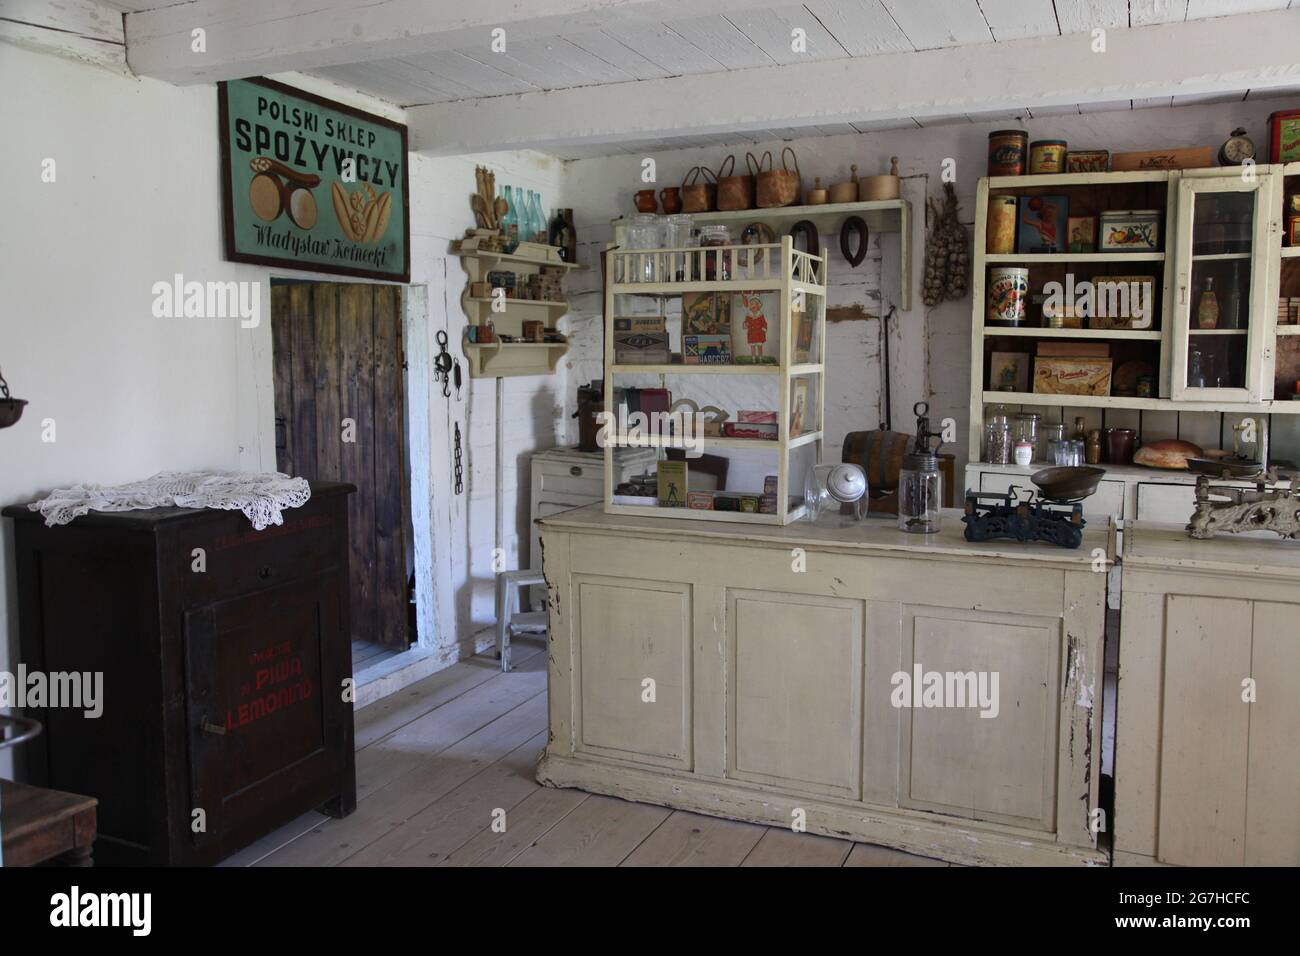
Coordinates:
(534, 215)
(510, 222)
(1230, 311)
(1207, 307)
(538, 223)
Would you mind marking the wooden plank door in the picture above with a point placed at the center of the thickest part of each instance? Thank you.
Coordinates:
(339, 417)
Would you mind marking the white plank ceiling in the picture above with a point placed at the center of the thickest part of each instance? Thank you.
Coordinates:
(834, 29)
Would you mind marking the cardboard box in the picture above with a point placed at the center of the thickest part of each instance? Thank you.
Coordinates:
(640, 323)
(641, 348)
(672, 484)
(1190, 157)
(1072, 376)
(1116, 301)
(699, 500)
(706, 349)
(1073, 349)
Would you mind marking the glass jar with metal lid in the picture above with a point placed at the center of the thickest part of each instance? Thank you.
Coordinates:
(920, 483)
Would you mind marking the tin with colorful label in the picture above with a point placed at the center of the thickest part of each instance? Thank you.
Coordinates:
(1047, 156)
(1007, 151)
(1008, 291)
(1000, 232)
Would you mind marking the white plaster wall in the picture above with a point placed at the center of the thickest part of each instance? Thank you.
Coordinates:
(137, 199)
(930, 347)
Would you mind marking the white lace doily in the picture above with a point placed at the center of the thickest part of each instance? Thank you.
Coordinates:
(261, 496)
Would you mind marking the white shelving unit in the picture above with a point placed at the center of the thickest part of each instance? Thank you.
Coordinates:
(777, 268)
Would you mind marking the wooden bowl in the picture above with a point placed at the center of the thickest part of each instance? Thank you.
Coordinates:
(1067, 482)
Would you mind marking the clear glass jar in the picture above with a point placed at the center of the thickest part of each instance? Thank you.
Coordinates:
(1026, 429)
(643, 233)
(827, 488)
(1050, 432)
(717, 265)
(920, 493)
(677, 235)
(997, 443)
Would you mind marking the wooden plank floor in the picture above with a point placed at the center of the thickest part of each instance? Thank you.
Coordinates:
(445, 778)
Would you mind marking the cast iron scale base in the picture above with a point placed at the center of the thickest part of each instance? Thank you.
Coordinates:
(1028, 518)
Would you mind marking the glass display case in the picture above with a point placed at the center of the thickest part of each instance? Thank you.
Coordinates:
(1220, 336)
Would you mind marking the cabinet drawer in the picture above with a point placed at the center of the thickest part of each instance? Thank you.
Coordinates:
(590, 488)
(1165, 502)
(239, 559)
(1107, 501)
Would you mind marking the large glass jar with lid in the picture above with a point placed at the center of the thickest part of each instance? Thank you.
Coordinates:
(717, 265)
(643, 232)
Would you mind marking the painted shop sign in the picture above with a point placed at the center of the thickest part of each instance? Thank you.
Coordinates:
(312, 184)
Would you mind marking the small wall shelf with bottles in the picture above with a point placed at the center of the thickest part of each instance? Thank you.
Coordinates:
(732, 338)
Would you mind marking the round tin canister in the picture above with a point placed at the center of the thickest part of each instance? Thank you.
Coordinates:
(1000, 234)
(1008, 290)
(1047, 156)
(1007, 151)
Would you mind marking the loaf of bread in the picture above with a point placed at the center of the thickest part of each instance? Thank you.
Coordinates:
(1167, 453)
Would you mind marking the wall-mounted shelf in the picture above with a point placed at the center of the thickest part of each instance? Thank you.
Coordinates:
(507, 359)
(499, 359)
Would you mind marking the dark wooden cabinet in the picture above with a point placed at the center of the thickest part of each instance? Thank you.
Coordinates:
(224, 653)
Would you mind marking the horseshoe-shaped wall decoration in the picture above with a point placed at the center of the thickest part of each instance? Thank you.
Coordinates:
(806, 229)
(854, 225)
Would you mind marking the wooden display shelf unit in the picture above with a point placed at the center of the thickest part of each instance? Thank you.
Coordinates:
(1171, 265)
(777, 268)
(499, 359)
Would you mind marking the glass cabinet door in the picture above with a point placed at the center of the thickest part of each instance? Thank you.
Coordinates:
(1219, 289)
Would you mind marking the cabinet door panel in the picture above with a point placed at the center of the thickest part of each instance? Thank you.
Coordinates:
(257, 668)
(629, 631)
(1205, 731)
(795, 691)
(990, 768)
(1273, 784)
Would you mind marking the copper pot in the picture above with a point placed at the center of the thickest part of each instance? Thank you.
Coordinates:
(670, 198)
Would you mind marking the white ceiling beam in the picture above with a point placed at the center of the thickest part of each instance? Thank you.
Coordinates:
(258, 37)
(1256, 51)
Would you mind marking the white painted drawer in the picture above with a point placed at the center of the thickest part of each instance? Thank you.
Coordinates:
(1107, 501)
(1165, 501)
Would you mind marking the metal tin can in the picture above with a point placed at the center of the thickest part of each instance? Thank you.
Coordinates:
(1047, 156)
(1000, 232)
(1008, 290)
(1007, 151)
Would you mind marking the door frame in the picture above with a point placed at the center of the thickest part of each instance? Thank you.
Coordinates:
(255, 427)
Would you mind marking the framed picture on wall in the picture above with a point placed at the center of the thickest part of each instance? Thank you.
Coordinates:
(312, 184)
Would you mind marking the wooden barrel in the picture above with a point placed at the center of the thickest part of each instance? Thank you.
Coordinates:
(880, 454)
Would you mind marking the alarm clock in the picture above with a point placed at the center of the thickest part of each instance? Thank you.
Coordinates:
(1236, 149)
